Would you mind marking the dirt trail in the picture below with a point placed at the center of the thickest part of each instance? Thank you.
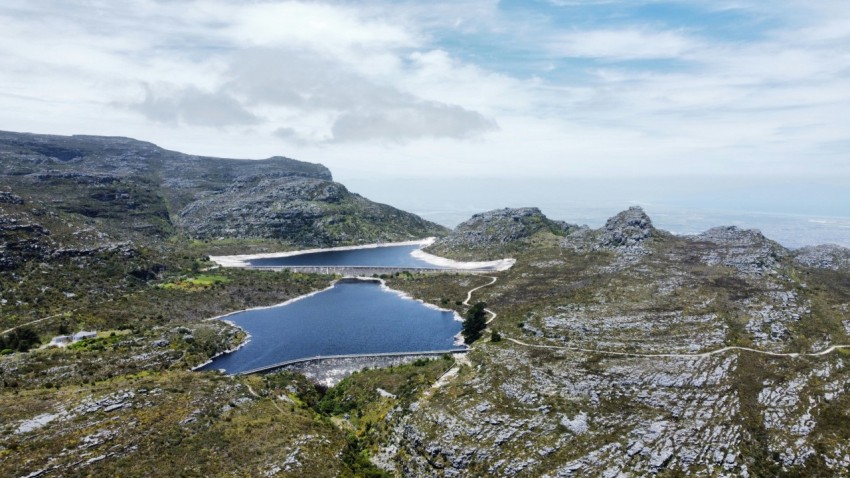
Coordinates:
(702, 354)
(635, 354)
(469, 297)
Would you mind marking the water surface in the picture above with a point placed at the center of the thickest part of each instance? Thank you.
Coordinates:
(385, 256)
(353, 317)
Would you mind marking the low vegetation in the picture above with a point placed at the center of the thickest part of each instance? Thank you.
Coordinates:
(197, 283)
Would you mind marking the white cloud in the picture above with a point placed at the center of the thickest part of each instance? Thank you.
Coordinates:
(622, 44)
(327, 28)
(408, 88)
(192, 106)
(418, 120)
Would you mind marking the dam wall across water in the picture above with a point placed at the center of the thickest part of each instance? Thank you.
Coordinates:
(317, 358)
(366, 270)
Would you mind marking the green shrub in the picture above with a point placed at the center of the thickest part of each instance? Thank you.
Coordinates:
(20, 339)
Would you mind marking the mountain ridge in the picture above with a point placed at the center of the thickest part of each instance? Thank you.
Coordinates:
(134, 190)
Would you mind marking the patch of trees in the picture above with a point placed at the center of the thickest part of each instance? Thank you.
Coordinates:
(20, 339)
(474, 323)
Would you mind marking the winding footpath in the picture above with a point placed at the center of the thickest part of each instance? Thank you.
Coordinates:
(36, 321)
(703, 354)
(462, 359)
(825, 351)
(469, 297)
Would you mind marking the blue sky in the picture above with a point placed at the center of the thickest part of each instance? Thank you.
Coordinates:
(466, 88)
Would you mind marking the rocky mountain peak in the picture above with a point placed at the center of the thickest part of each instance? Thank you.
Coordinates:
(515, 214)
(628, 228)
(746, 250)
(498, 227)
(507, 225)
(624, 233)
(634, 216)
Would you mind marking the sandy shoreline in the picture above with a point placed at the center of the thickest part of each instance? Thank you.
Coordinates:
(242, 260)
(451, 264)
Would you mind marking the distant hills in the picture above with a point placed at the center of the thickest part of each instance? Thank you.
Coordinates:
(129, 190)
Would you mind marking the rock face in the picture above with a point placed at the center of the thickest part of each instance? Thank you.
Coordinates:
(134, 190)
(628, 229)
(500, 227)
(20, 242)
(827, 256)
(746, 250)
(626, 233)
(9, 198)
(307, 211)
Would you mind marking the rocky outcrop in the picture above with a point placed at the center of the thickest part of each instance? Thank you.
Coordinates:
(827, 256)
(20, 242)
(746, 250)
(9, 198)
(306, 211)
(628, 229)
(497, 228)
(625, 233)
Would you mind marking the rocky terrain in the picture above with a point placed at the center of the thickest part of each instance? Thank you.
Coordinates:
(132, 190)
(491, 234)
(303, 211)
(612, 362)
(828, 256)
(626, 233)
(621, 351)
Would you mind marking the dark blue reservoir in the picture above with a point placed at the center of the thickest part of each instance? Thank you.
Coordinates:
(386, 256)
(352, 317)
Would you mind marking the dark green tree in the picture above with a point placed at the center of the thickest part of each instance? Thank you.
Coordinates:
(474, 323)
(21, 339)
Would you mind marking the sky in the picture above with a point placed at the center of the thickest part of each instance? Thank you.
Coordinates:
(461, 89)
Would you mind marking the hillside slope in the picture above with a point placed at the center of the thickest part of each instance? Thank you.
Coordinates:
(132, 190)
(613, 360)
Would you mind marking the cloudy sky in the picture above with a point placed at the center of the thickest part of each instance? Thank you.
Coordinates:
(533, 88)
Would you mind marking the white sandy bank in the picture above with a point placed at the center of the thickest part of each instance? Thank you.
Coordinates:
(498, 265)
